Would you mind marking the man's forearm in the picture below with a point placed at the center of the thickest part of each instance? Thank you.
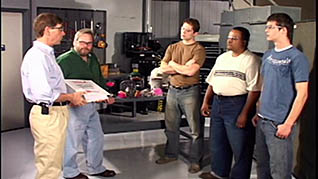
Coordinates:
(165, 68)
(65, 97)
(208, 95)
(299, 102)
(251, 100)
(189, 69)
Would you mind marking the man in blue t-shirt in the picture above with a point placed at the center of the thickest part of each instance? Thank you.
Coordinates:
(285, 72)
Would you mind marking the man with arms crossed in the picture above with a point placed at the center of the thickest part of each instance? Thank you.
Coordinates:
(285, 71)
(182, 62)
(234, 85)
(84, 124)
(43, 85)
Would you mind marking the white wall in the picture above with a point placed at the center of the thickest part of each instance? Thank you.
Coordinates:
(122, 16)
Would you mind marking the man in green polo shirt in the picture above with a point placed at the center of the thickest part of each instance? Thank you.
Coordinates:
(84, 126)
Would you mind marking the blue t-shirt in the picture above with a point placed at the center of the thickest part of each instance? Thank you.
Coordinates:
(281, 71)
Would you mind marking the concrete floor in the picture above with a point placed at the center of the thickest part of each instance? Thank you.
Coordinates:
(132, 155)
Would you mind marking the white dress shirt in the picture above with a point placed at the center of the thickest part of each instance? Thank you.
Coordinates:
(42, 78)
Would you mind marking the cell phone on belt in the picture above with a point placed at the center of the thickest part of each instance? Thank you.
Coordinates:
(44, 109)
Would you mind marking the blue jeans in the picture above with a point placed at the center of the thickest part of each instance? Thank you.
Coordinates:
(187, 102)
(84, 128)
(228, 140)
(274, 156)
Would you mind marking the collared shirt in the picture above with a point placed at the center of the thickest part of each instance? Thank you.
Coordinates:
(42, 78)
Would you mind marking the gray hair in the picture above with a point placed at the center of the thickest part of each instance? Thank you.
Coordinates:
(83, 31)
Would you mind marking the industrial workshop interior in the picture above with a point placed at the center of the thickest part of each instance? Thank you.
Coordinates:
(130, 40)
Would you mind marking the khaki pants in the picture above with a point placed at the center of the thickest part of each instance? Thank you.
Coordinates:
(49, 133)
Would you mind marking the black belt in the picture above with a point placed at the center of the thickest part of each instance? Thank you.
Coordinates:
(183, 87)
(225, 97)
(54, 104)
(269, 120)
(61, 103)
(265, 119)
(45, 106)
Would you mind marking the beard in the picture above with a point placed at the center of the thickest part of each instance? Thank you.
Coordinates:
(83, 51)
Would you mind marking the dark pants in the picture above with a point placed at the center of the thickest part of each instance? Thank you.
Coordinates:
(228, 140)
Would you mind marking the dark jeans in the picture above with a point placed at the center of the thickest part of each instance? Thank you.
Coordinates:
(228, 140)
(187, 102)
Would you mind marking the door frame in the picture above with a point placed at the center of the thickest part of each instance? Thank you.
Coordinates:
(27, 42)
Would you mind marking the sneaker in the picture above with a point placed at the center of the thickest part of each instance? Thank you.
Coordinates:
(165, 160)
(194, 168)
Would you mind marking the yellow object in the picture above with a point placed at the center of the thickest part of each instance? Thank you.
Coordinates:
(160, 105)
(101, 44)
(105, 71)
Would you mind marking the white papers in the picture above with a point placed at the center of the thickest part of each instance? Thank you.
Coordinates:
(93, 91)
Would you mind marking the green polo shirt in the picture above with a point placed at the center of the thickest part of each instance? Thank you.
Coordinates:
(74, 67)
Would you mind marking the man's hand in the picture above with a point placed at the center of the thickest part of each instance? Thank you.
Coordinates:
(166, 69)
(109, 100)
(171, 63)
(283, 130)
(241, 121)
(78, 99)
(255, 119)
(205, 110)
(190, 62)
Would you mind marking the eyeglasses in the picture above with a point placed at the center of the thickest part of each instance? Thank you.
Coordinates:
(61, 28)
(232, 38)
(86, 43)
(273, 27)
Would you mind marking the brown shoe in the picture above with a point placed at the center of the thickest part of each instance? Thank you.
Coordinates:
(79, 176)
(194, 168)
(207, 175)
(106, 173)
(165, 160)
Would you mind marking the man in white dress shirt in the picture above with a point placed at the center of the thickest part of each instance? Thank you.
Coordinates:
(43, 85)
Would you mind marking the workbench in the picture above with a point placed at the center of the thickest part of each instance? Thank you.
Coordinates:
(113, 122)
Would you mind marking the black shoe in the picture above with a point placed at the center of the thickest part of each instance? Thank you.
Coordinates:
(79, 176)
(165, 160)
(106, 173)
(207, 175)
(194, 168)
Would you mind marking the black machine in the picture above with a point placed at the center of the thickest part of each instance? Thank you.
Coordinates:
(140, 44)
(144, 51)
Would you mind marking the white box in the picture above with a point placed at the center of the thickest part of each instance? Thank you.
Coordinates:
(93, 93)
